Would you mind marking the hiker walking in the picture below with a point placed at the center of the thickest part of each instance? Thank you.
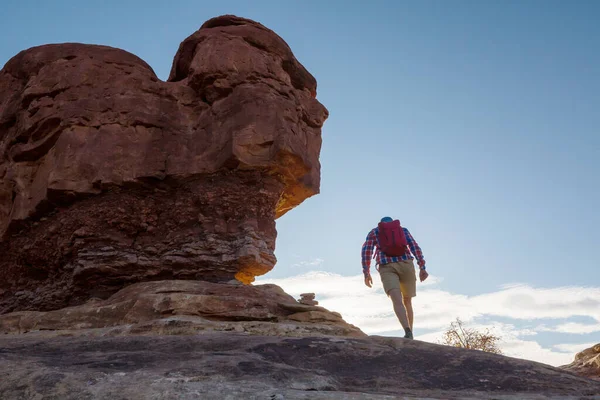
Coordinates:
(396, 268)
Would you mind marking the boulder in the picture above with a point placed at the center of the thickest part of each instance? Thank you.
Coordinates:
(109, 176)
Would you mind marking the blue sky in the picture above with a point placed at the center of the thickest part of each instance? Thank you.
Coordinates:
(477, 124)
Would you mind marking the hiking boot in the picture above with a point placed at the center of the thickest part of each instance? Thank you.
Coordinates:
(408, 335)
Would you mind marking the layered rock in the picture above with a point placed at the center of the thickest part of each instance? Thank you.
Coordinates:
(586, 363)
(109, 176)
(185, 307)
(308, 299)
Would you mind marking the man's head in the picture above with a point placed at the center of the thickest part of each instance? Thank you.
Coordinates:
(386, 219)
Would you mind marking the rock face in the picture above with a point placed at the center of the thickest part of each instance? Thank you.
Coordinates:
(109, 176)
(229, 365)
(586, 363)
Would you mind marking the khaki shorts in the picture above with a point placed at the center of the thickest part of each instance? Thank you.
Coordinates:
(399, 275)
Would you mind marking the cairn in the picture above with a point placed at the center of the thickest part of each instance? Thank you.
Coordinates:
(308, 299)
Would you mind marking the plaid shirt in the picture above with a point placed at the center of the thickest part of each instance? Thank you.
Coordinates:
(372, 242)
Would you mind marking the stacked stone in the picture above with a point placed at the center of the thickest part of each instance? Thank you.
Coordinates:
(308, 299)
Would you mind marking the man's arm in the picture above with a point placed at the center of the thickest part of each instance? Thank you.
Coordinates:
(415, 249)
(367, 253)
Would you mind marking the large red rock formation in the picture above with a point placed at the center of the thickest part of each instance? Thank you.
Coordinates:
(109, 176)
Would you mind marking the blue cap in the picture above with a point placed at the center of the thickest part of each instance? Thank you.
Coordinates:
(386, 219)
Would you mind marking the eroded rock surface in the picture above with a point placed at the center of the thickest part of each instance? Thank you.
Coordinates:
(109, 176)
(228, 365)
(586, 363)
(185, 307)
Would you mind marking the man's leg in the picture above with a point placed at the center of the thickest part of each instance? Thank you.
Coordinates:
(409, 310)
(399, 308)
(408, 288)
(391, 285)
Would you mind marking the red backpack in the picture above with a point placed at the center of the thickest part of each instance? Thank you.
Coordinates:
(392, 240)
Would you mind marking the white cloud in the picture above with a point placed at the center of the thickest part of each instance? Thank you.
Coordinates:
(573, 349)
(435, 309)
(314, 262)
(531, 350)
(574, 327)
(525, 302)
(370, 309)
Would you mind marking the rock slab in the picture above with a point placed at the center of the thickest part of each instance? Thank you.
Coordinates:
(184, 307)
(228, 365)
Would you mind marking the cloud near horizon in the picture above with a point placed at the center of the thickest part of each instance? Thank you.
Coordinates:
(435, 309)
(314, 262)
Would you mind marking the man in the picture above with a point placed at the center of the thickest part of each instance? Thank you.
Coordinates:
(396, 268)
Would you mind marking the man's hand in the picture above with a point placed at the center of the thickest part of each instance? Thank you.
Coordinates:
(423, 275)
(368, 280)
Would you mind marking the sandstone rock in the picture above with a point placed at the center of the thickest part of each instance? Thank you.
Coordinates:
(184, 307)
(314, 316)
(109, 176)
(586, 363)
(308, 299)
(230, 365)
(299, 307)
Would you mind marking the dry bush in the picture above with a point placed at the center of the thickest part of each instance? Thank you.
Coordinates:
(457, 335)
